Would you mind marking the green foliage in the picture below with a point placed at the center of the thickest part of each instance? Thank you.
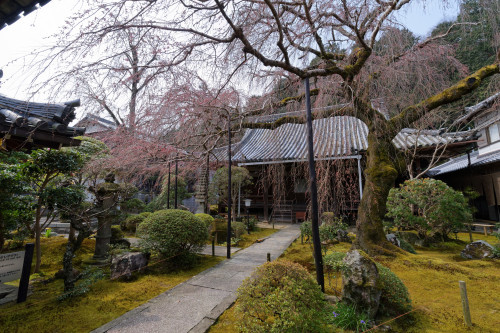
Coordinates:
(330, 228)
(173, 233)
(395, 299)
(406, 246)
(116, 233)
(327, 233)
(66, 198)
(214, 209)
(89, 277)
(497, 233)
(252, 223)
(349, 318)
(334, 261)
(238, 228)
(133, 205)
(206, 219)
(474, 44)
(131, 222)
(217, 190)
(306, 230)
(45, 163)
(161, 201)
(15, 206)
(282, 296)
(428, 206)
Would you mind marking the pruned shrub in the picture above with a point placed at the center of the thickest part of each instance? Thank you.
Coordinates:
(173, 233)
(116, 233)
(281, 296)
(238, 228)
(130, 223)
(133, 205)
(206, 219)
(428, 206)
(395, 298)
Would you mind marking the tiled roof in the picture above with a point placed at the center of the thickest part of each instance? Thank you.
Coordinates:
(96, 124)
(334, 137)
(462, 162)
(28, 124)
(11, 10)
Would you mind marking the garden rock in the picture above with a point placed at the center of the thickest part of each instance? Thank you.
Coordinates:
(124, 265)
(478, 250)
(359, 281)
(393, 239)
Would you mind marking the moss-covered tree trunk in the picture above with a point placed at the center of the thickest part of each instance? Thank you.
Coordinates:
(380, 175)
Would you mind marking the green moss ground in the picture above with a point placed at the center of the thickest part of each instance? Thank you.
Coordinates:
(432, 278)
(106, 301)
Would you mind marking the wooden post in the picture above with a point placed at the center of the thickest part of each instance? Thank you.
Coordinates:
(266, 195)
(268, 256)
(213, 246)
(22, 293)
(465, 303)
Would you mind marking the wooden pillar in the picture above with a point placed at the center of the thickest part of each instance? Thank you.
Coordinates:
(266, 195)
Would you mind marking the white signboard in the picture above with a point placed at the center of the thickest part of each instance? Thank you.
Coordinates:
(11, 266)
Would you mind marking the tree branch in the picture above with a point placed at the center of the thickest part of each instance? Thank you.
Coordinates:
(414, 112)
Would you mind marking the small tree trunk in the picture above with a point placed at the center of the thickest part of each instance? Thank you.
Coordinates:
(380, 175)
(73, 246)
(38, 233)
(69, 279)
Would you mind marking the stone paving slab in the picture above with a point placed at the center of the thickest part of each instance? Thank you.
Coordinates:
(193, 306)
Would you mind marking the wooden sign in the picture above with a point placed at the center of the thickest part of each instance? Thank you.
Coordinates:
(11, 266)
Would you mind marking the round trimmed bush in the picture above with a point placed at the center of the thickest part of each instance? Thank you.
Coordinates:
(206, 219)
(173, 232)
(281, 296)
(131, 222)
(239, 228)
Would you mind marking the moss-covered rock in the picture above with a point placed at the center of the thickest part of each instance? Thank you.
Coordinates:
(360, 283)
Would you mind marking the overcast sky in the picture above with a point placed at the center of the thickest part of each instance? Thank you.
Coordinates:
(33, 31)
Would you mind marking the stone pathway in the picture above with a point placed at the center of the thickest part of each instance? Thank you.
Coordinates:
(193, 306)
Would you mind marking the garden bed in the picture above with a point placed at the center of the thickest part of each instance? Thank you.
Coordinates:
(431, 277)
(107, 300)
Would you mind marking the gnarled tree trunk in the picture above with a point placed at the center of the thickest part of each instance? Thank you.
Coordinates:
(380, 176)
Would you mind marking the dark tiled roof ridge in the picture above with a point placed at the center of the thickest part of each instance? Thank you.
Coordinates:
(11, 10)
